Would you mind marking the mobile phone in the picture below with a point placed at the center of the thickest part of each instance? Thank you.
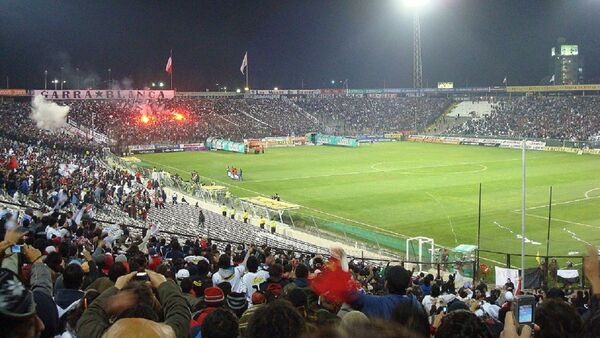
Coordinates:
(526, 309)
(141, 276)
(15, 248)
(444, 309)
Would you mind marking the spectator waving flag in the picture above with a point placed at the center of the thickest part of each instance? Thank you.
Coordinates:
(244, 63)
(169, 67)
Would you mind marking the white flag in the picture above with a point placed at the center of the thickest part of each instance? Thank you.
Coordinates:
(504, 81)
(552, 78)
(244, 63)
(169, 67)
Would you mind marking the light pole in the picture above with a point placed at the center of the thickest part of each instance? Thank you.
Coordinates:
(523, 207)
(109, 80)
(78, 78)
(61, 76)
(55, 81)
(417, 61)
(416, 6)
(45, 79)
(62, 83)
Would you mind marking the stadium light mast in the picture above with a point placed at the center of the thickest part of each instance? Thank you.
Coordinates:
(416, 6)
(523, 209)
(417, 60)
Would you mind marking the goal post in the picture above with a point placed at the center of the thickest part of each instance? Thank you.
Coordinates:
(420, 249)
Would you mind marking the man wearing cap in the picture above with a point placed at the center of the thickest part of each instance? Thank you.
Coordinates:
(24, 313)
(397, 279)
(213, 299)
(187, 287)
(258, 301)
(237, 303)
(181, 274)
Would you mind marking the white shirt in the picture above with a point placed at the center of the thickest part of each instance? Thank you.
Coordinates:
(235, 279)
(252, 280)
(50, 231)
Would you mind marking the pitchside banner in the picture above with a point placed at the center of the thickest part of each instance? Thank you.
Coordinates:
(90, 94)
(336, 140)
(220, 144)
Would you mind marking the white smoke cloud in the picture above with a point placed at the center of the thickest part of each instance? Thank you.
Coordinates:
(48, 115)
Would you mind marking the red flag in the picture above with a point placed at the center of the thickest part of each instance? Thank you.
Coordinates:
(169, 67)
(333, 283)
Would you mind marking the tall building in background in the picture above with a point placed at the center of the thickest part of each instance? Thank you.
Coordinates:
(567, 64)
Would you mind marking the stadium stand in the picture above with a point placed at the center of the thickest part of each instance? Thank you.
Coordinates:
(473, 109)
(241, 118)
(363, 115)
(572, 118)
(97, 255)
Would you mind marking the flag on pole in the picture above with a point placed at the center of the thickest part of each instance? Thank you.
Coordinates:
(244, 63)
(169, 67)
(504, 81)
(552, 79)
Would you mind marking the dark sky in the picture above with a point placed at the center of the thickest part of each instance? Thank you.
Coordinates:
(366, 41)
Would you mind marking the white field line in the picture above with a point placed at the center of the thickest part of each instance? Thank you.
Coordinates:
(575, 237)
(587, 193)
(447, 216)
(585, 198)
(563, 221)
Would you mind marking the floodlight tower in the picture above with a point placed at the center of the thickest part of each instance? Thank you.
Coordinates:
(416, 6)
(417, 60)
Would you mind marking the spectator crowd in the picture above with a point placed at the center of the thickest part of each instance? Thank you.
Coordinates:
(574, 118)
(365, 115)
(187, 120)
(67, 272)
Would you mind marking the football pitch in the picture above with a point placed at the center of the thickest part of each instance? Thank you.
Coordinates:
(416, 189)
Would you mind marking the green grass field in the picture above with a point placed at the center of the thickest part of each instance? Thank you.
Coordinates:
(417, 189)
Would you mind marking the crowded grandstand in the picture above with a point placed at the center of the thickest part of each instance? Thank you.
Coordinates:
(164, 205)
(92, 232)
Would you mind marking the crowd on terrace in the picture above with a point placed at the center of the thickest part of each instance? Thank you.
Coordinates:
(66, 272)
(185, 120)
(574, 118)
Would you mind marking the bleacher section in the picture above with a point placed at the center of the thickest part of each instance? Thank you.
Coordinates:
(472, 109)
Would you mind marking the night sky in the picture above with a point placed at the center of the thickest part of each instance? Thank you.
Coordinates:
(368, 42)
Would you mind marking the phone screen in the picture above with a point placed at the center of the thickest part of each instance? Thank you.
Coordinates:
(526, 313)
(15, 248)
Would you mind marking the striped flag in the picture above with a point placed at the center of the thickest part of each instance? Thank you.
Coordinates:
(244, 63)
(169, 67)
